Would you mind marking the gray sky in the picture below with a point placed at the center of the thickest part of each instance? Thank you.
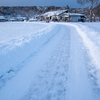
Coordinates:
(71, 3)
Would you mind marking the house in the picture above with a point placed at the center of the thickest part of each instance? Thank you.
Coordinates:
(53, 15)
(13, 19)
(73, 17)
(2, 19)
(21, 18)
(32, 19)
(63, 15)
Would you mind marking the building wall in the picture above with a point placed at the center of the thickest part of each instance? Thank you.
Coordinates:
(2, 20)
(51, 17)
(74, 18)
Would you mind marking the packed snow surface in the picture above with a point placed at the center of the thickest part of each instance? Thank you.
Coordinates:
(49, 61)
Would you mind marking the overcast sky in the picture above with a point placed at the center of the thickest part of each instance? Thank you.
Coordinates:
(71, 3)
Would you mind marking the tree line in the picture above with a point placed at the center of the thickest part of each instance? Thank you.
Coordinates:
(93, 7)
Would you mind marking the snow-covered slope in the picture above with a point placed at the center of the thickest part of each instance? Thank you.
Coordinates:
(49, 61)
(18, 45)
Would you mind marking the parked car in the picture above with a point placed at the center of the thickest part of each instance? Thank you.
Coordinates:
(47, 21)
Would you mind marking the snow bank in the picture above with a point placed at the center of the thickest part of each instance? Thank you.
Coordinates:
(91, 40)
(16, 52)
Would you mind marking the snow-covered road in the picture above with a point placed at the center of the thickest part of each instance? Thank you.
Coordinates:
(58, 62)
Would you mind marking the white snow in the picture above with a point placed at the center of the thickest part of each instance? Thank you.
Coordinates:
(2, 17)
(74, 14)
(49, 61)
(91, 39)
(53, 13)
(15, 43)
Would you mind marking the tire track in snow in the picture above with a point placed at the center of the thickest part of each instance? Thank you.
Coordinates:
(90, 39)
(27, 74)
(50, 84)
(80, 86)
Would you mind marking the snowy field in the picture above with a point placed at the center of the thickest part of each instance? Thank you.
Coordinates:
(49, 61)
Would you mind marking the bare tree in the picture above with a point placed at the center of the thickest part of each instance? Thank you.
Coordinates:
(67, 7)
(90, 4)
(97, 11)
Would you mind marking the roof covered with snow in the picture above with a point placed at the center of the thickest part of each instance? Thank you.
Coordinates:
(72, 14)
(21, 17)
(32, 19)
(2, 17)
(52, 13)
(77, 14)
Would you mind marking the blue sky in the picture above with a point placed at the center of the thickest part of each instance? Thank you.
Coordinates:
(71, 3)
